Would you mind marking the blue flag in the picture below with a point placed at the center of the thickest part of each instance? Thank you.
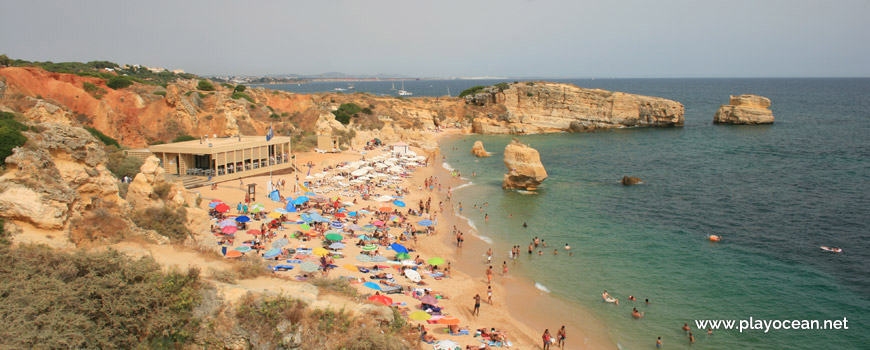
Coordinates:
(269, 135)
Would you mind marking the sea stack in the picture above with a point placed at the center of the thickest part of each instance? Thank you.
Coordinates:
(631, 180)
(745, 109)
(478, 150)
(525, 170)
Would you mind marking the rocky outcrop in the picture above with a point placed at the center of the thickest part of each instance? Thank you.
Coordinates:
(140, 193)
(58, 175)
(631, 180)
(525, 170)
(745, 109)
(539, 107)
(478, 150)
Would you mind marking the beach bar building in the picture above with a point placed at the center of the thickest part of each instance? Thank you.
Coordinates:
(225, 158)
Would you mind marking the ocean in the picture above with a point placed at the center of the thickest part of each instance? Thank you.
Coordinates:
(775, 194)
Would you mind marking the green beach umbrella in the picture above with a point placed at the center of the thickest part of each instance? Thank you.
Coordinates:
(420, 316)
(334, 237)
(369, 247)
(402, 256)
(256, 208)
(435, 261)
(305, 227)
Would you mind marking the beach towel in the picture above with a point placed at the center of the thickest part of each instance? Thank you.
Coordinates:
(461, 332)
(283, 267)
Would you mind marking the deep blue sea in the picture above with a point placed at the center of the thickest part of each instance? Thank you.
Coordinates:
(775, 194)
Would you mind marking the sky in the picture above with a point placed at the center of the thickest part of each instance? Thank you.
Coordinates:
(448, 38)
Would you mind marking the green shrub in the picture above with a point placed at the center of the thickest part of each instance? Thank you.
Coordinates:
(239, 88)
(188, 93)
(339, 285)
(472, 90)
(228, 86)
(261, 316)
(121, 165)
(161, 190)
(367, 111)
(10, 135)
(346, 111)
(183, 137)
(94, 90)
(166, 221)
(119, 82)
(502, 86)
(274, 116)
(529, 94)
(204, 85)
(108, 141)
(238, 95)
(160, 93)
(102, 300)
(270, 108)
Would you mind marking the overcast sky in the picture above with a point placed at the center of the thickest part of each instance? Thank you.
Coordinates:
(516, 38)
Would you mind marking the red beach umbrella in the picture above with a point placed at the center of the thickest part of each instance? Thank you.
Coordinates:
(385, 209)
(255, 232)
(229, 230)
(381, 299)
(223, 208)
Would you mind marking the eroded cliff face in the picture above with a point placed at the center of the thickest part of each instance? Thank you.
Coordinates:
(540, 107)
(745, 109)
(478, 149)
(525, 170)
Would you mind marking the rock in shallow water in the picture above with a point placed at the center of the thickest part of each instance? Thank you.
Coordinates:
(525, 170)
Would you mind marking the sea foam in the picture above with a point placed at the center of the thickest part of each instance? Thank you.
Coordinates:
(447, 166)
(542, 288)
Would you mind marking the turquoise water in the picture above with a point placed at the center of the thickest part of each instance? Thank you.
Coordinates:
(775, 193)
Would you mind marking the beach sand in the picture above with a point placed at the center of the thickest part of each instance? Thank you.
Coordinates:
(518, 307)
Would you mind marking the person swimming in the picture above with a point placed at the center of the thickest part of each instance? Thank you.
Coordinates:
(567, 247)
(525, 225)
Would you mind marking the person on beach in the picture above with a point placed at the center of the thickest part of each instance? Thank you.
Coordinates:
(555, 252)
(691, 338)
(544, 243)
(525, 225)
(504, 269)
(489, 256)
(489, 274)
(546, 338)
(486, 217)
(489, 294)
(709, 331)
(530, 248)
(646, 301)
(567, 247)
(560, 337)
(537, 241)
(476, 310)
(659, 342)
(605, 295)
(540, 252)
(686, 327)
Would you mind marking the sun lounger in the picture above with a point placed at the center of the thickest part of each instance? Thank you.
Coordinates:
(391, 289)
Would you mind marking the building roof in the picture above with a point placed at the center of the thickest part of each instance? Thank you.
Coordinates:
(216, 145)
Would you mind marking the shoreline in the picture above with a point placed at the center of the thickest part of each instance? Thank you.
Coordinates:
(584, 329)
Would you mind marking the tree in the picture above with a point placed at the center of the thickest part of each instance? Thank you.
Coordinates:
(204, 85)
(10, 135)
(239, 88)
(119, 82)
(5, 61)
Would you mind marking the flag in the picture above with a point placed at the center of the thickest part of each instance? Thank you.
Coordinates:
(269, 135)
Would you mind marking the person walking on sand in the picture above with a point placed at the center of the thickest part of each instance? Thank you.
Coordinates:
(476, 311)
(489, 256)
(560, 337)
(546, 338)
(504, 269)
(489, 294)
(489, 274)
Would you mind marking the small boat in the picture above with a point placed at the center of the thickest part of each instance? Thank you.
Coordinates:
(833, 250)
(340, 89)
(714, 238)
(402, 92)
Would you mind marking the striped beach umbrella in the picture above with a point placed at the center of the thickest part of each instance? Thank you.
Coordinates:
(336, 245)
(425, 223)
(280, 243)
(227, 222)
(271, 253)
(243, 249)
(363, 258)
(369, 228)
(369, 247)
(308, 266)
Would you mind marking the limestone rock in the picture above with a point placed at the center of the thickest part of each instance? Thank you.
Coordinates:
(745, 109)
(46, 112)
(525, 170)
(478, 150)
(152, 170)
(631, 180)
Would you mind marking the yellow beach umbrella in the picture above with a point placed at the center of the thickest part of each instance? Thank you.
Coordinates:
(274, 215)
(320, 252)
(351, 268)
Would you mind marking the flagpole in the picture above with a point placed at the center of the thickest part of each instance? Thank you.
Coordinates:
(276, 158)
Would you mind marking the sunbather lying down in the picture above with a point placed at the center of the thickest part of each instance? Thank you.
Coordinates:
(481, 346)
(382, 275)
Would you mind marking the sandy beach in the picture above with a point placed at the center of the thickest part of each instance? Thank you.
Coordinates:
(518, 309)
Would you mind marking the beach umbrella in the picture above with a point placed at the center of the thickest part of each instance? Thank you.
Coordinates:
(378, 223)
(354, 227)
(435, 261)
(372, 285)
(305, 227)
(233, 254)
(223, 208)
(420, 316)
(254, 232)
(229, 230)
(300, 200)
(350, 267)
(340, 215)
(363, 258)
(384, 198)
(310, 194)
(379, 258)
(280, 243)
(383, 299)
(319, 199)
(359, 172)
(227, 222)
(320, 175)
(446, 345)
(336, 225)
(334, 237)
(398, 248)
(243, 249)
(364, 237)
(369, 228)
(428, 298)
(214, 203)
(308, 266)
(282, 211)
(309, 177)
(271, 253)
(399, 204)
(274, 215)
(336, 245)
(369, 247)
(425, 223)
(353, 213)
(320, 252)
(243, 218)
(385, 209)
(449, 320)
(256, 208)
(402, 256)
(307, 218)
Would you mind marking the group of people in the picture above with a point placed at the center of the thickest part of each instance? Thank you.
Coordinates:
(559, 339)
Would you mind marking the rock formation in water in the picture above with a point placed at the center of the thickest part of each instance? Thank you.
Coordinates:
(478, 150)
(525, 170)
(745, 109)
(631, 180)
(539, 107)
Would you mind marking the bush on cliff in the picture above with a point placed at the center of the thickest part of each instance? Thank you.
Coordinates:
(105, 139)
(121, 165)
(204, 85)
(10, 135)
(183, 137)
(57, 300)
(346, 111)
(119, 82)
(472, 90)
(238, 95)
(166, 221)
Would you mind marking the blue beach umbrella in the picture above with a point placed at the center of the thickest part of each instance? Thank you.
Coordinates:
(353, 213)
(336, 225)
(213, 204)
(281, 211)
(336, 245)
(310, 194)
(307, 218)
(398, 248)
(271, 253)
(243, 219)
(426, 223)
(369, 228)
(243, 248)
(399, 204)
